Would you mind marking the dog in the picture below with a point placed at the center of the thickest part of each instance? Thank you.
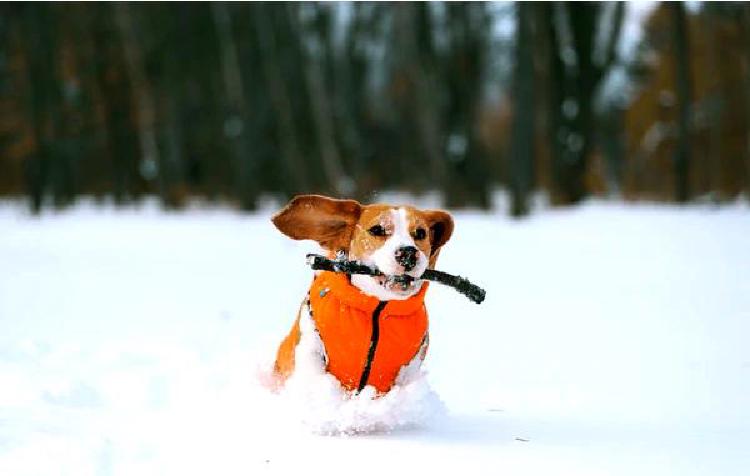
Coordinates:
(365, 330)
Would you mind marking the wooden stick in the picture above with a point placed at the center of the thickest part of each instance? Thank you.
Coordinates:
(460, 284)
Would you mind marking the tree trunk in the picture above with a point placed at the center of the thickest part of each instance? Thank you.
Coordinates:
(44, 102)
(716, 103)
(351, 95)
(555, 95)
(746, 24)
(115, 93)
(235, 110)
(582, 72)
(427, 93)
(287, 136)
(683, 85)
(145, 110)
(522, 145)
(577, 105)
(315, 47)
(468, 178)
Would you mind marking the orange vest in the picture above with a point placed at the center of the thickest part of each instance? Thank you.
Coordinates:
(366, 340)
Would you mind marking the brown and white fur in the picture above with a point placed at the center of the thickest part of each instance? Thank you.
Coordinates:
(395, 239)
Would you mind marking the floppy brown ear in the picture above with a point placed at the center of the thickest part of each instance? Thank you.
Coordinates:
(441, 229)
(326, 220)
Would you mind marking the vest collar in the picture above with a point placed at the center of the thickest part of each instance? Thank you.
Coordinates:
(338, 285)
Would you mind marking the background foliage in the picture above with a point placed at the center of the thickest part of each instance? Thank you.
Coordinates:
(232, 101)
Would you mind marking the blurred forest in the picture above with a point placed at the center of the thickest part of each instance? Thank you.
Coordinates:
(233, 101)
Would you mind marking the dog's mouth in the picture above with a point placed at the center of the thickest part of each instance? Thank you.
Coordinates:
(399, 284)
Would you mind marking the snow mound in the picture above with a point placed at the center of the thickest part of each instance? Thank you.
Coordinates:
(320, 404)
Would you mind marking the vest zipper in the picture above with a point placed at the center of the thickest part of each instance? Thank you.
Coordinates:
(373, 345)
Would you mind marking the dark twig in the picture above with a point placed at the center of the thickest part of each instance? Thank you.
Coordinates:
(460, 284)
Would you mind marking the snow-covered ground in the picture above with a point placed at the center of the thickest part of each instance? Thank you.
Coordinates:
(614, 340)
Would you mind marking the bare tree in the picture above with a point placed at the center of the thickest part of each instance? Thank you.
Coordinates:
(579, 64)
(417, 60)
(522, 139)
(467, 37)
(235, 109)
(316, 30)
(746, 31)
(120, 149)
(684, 102)
(715, 105)
(276, 83)
(145, 110)
(39, 32)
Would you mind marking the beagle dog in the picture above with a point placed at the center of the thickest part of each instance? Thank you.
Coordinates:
(364, 329)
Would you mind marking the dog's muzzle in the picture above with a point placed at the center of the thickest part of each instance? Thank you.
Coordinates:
(406, 256)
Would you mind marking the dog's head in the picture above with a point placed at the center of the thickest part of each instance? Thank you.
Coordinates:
(395, 239)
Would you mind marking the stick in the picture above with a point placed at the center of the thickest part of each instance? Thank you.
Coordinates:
(460, 284)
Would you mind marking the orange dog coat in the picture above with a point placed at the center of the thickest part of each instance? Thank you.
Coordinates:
(366, 341)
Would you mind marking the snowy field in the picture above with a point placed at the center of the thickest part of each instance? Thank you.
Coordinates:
(614, 341)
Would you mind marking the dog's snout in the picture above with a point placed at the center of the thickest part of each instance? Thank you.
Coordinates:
(406, 256)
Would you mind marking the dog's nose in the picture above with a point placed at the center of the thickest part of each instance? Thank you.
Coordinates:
(406, 256)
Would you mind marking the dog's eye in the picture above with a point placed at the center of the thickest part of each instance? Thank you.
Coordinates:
(377, 230)
(420, 234)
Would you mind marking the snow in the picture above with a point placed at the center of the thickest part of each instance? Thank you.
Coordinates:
(314, 398)
(613, 341)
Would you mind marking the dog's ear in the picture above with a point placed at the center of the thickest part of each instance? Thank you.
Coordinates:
(441, 229)
(328, 221)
